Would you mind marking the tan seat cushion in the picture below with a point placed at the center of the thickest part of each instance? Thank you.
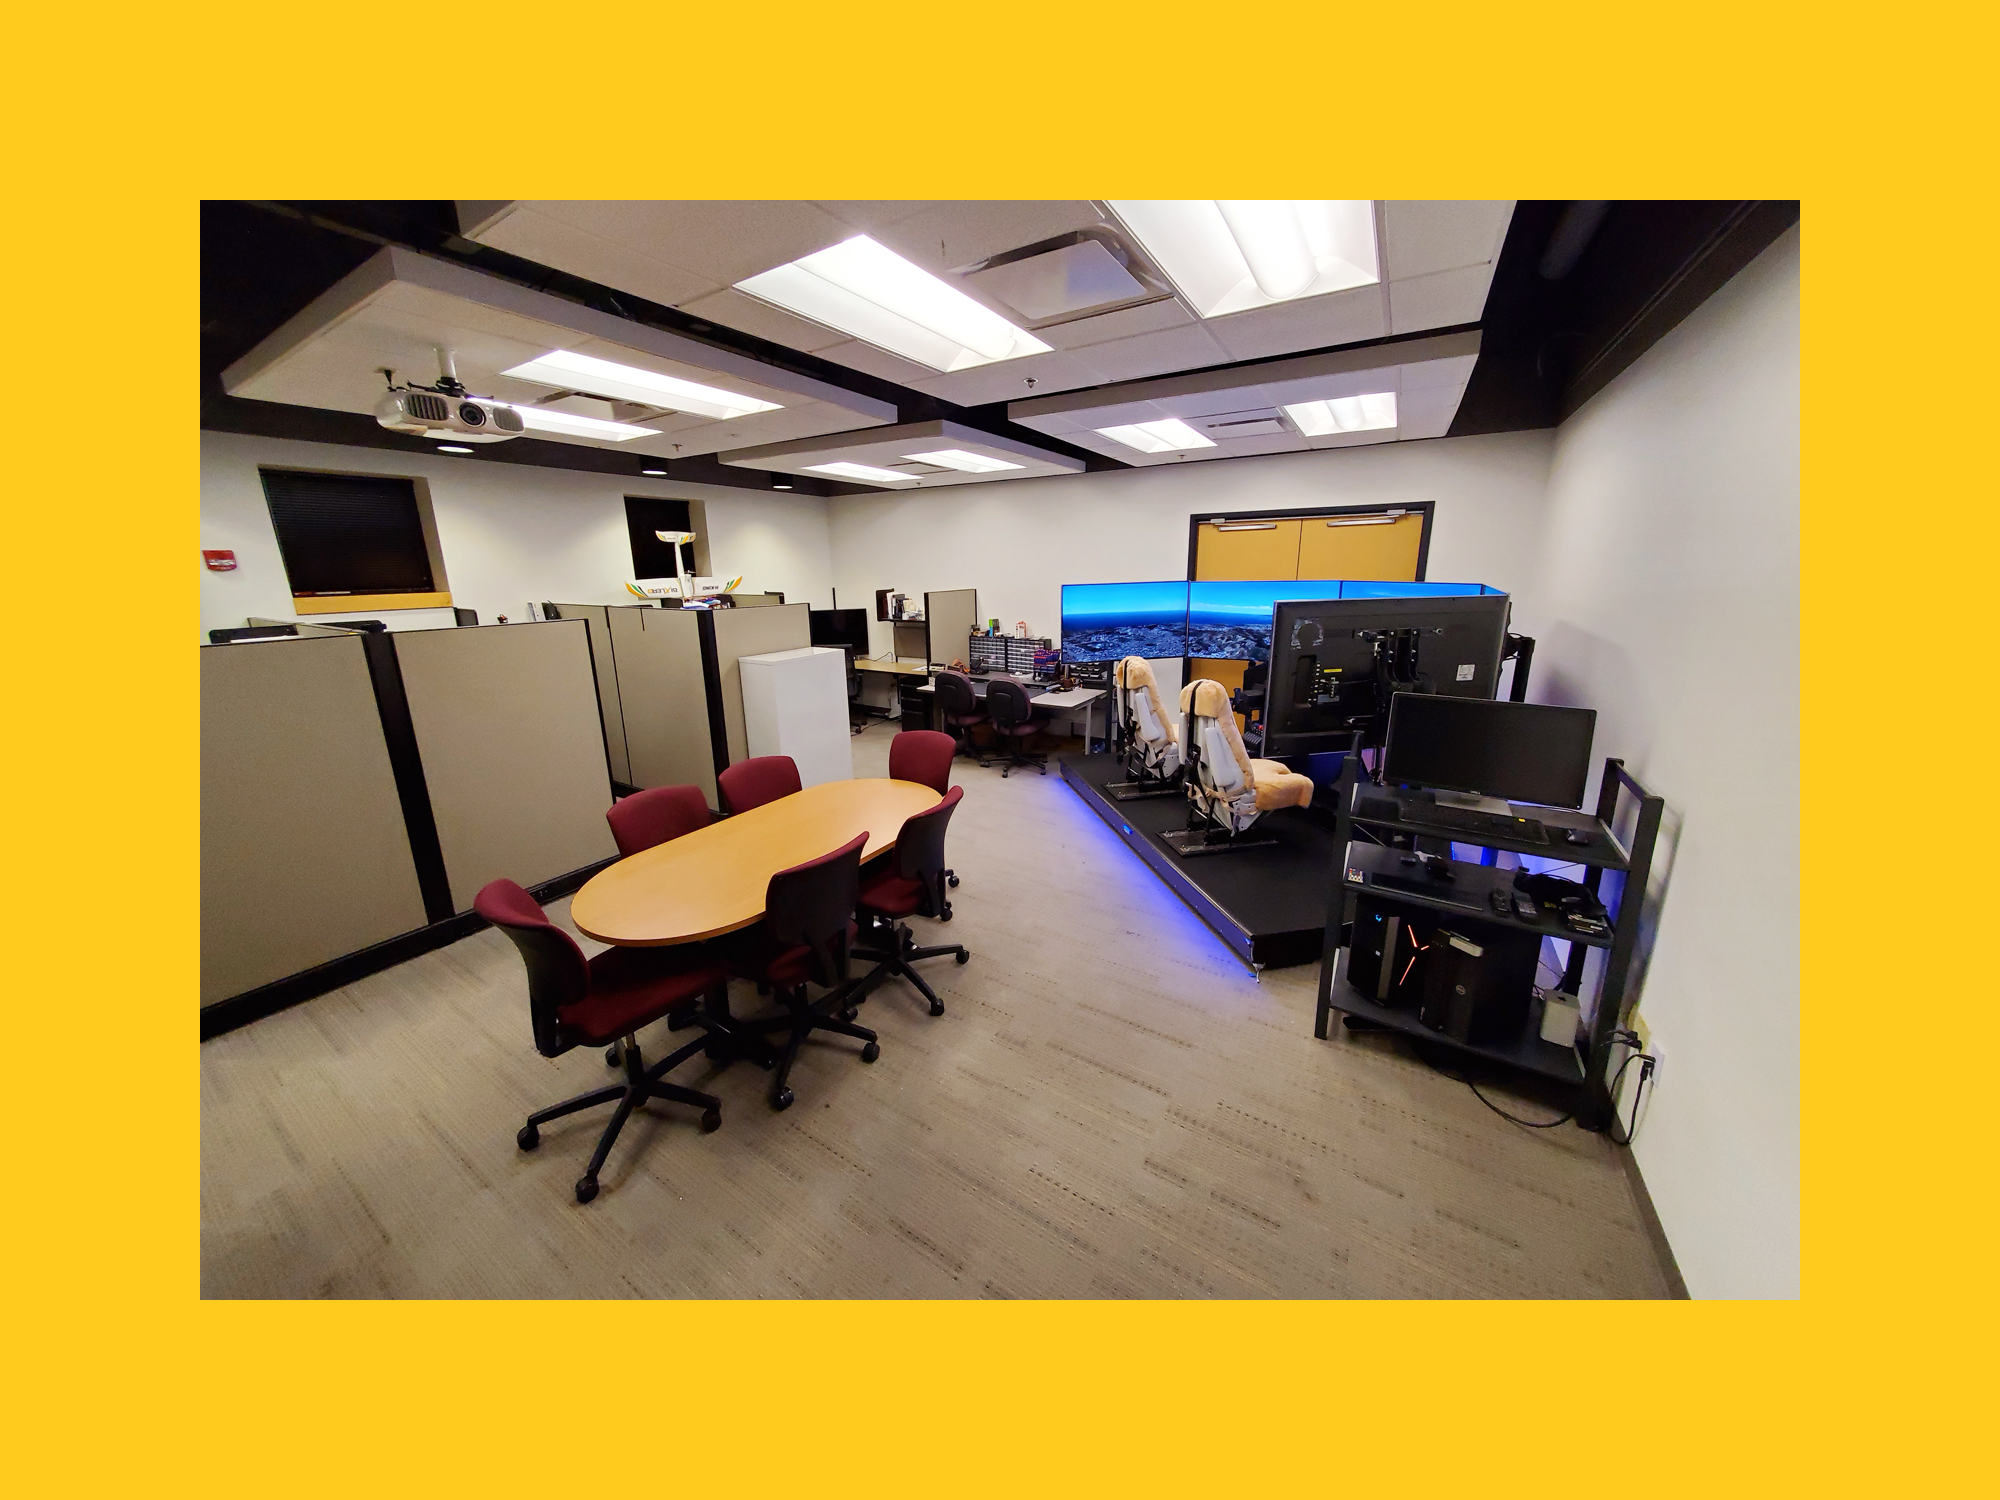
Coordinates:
(1278, 787)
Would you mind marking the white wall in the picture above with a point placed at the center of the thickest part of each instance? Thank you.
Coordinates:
(1667, 597)
(509, 533)
(1019, 543)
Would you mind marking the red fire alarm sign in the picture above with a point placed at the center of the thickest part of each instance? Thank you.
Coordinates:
(219, 562)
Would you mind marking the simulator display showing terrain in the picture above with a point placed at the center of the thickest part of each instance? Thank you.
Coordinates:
(1106, 621)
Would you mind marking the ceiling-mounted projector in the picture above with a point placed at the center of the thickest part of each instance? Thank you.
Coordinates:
(446, 410)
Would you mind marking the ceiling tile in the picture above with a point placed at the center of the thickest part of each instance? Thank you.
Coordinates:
(1440, 300)
(1162, 353)
(1006, 380)
(1311, 323)
(734, 309)
(1437, 235)
(550, 240)
(1126, 322)
(723, 240)
(880, 363)
(1427, 412)
(948, 235)
(869, 215)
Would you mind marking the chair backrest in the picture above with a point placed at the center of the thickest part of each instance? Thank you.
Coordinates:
(1007, 701)
(920, 849)
(1223, 763)
(1139, 693)
(954, 693)
(813, 904)
(655, 815)
(924, 756)
(557, 973)
(752, 783)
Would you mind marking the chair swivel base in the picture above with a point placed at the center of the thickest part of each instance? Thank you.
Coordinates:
(1188, 842)
(804, 1017)
(641, 1085)
(894, 962)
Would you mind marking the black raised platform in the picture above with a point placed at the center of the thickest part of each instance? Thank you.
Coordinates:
(1268, 904)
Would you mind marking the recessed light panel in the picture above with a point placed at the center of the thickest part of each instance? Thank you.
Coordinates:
(862, 472)
(541, 419)
(965, 463)
(1344, 414)
(1228, 256)
(450, 448)
(869, 292)
(1169, 436)
(564, 368)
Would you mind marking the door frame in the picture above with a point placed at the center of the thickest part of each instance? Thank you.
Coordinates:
(1427, 509)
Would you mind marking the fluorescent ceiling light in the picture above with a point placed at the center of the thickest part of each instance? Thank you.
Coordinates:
(1344, 414)
(1169, 436)
(871, 293)
(1230, 255)
(654, 473)
(863, 473)
(965, 463)
(541, 419)
(600, 377)
(450, 448)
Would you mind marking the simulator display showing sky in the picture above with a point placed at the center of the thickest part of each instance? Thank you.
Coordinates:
(1223, 620)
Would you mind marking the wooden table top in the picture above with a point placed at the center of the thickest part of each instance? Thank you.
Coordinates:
(713, 880)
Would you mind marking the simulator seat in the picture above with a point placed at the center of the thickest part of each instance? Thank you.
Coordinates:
(1147, 738)
(1227, 790)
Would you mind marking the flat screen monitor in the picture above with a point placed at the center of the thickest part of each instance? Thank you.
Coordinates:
(840, 627)
(1336, 662)
(1524, 752)
(1230, 619)
(1106, 621)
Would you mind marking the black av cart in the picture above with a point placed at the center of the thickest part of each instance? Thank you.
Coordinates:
(1372, 875)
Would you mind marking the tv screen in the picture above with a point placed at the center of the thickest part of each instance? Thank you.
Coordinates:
(1230, 620)
(840, 627)
(1106, 621)
(1353, 588)
(1525, 752)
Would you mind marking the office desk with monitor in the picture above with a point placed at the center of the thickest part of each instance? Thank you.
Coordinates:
(1045, 698)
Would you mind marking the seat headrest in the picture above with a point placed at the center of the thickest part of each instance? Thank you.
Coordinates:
(1135, 672)
(1209, 699)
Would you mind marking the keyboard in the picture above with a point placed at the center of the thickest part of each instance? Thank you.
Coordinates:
(1467, 820)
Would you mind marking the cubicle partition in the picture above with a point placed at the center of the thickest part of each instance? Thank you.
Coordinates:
(664, 697)
(950, 615)
(305, 856)
(357, 790)
(604, 666)
(732, 633)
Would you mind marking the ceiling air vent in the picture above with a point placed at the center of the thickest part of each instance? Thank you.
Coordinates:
(1082, 274)
(1243, 424)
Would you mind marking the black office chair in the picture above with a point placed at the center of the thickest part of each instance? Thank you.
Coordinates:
(959, 710)
(1015, 719)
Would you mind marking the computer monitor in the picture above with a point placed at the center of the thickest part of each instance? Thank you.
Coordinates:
(1335, 663)
(840, 627)
(1229, 619)
(1522, 752)
(1108, 621)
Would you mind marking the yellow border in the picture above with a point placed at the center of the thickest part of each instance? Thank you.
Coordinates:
(124, 1382)
(338, 604)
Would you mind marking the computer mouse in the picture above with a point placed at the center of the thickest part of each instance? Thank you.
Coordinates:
(1575, 836)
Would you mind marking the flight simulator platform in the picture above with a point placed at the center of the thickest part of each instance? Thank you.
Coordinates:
(1268, 904)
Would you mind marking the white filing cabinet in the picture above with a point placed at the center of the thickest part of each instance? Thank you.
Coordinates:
(795, 703)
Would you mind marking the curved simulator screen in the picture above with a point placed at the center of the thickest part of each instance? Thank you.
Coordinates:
(1106, 621)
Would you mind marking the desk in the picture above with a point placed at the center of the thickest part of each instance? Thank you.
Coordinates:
(713, 880)
(892, 668)
(1083, 698)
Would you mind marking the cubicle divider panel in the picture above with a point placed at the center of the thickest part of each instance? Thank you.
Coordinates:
(604, 663)
(751, 632)
(952, 615)
(664, 698)
(507, 725)
(305, 856)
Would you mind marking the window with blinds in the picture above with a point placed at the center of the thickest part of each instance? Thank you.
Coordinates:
(347, 537)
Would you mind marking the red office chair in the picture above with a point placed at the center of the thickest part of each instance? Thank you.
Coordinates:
(924, 756)
(752, 783)
(913, 887)
(803, 939)
(578, 1002)
(656, 815)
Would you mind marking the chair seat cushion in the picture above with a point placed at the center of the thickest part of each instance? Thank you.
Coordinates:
(891, 895)
(631, 987)
(757, 957)
(1278, 787)
(965, 721)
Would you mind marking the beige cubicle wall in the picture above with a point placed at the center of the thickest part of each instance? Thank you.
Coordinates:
(304, 852)
(506, 721)
(752, 632)
(663, 698)
(604, 664)
(949, 617)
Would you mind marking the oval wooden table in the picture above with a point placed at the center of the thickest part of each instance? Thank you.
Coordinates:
(713, 880)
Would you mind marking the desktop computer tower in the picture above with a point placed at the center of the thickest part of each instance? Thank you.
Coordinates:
(1385, 956)
(1477, 982)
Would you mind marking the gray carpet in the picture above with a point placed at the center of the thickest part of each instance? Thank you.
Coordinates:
(1110, 1107)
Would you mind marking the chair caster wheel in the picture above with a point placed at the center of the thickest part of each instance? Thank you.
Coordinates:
(611, 1056)
(782, 1100)
(528, 1138)
(937, 1007)
(964, 956)
(586, 1189)
(849, 1014)
(953, 879)
(872, 1051)
(711, 1121)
